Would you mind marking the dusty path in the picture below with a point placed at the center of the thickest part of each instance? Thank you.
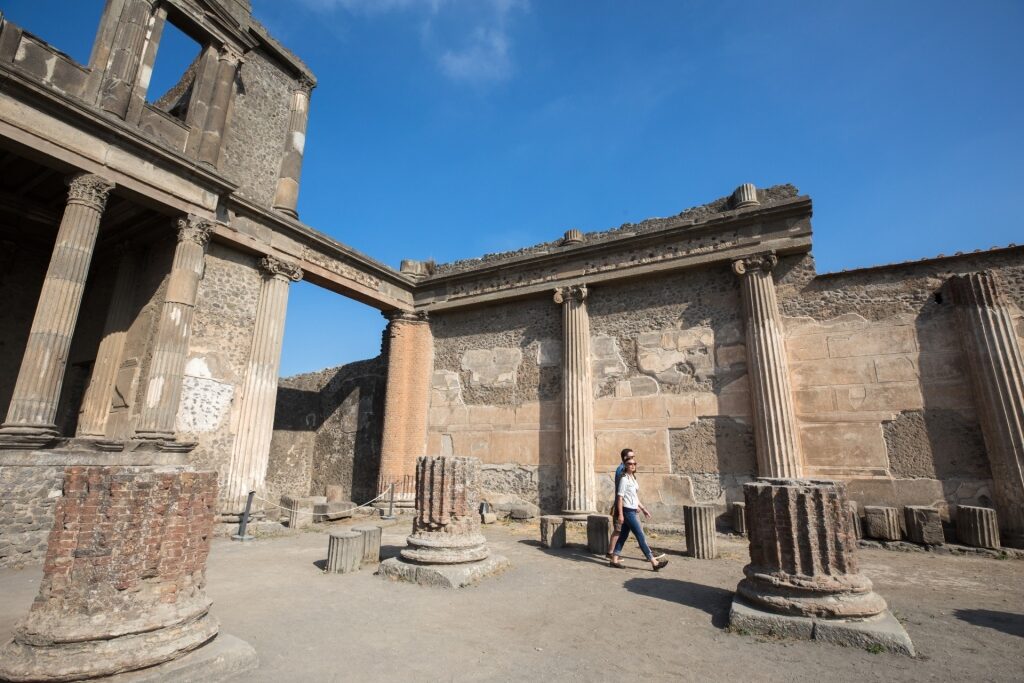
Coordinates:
(558, 616)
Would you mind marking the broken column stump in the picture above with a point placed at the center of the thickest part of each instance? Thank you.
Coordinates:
(739, 518)
(977, 527)
(924, 525)
(552, 531)
(855, 524)
(700, 531)
(371, 541)
(882, 523)
(124, 582)
(446, 548)
(344, 552)
(300, 510)
(803, 580)
(599, 529)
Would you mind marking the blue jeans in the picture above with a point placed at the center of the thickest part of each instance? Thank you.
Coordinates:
(631, 522)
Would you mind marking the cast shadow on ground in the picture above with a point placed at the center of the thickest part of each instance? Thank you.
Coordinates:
(572, 551)
(714, 601)
(1007, 622)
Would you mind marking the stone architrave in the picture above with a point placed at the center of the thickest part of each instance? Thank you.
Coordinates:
(410, 353)
(129, 544)
(770, 392)
(33, 408)
(977, 527)
(577, 402)
(174, 329)
(997, 375)
(286, 196)
(215, 127)
(92, 421)
(803, 580)
(250, 451)
(446, 547)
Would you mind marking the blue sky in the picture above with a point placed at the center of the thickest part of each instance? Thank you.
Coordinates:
(449, 128)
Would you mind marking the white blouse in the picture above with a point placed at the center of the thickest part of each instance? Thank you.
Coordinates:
(630, 492)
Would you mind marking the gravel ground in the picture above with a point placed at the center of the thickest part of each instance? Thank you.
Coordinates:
(563, 615)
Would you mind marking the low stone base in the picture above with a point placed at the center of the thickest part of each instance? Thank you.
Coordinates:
(224, 657)
(442, 575)
(882, 631)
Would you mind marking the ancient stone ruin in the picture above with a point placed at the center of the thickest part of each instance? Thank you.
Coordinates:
(148, 242)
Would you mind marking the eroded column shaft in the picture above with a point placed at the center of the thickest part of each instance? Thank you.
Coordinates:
(770, 393)
(217, 115)
(577, 402)
(286, 196)
(997, 375)
(125, 57)
(170, 346)
(407, 398)
(250, 451)
(98, 395)
(34, 401)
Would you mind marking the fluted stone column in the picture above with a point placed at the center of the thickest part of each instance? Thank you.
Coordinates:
(33, 409)
(286, 197)
(997, 375)
(125, 56)
(170, 346)
(250, 451)
(770, 393)
(214, 129)
(96, 405)
(406, 402)
(577, 401)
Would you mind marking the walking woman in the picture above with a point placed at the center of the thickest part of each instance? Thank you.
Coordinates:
(627, 502)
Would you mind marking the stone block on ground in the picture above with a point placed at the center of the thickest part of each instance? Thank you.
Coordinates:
(599, 528)
(344, 552)
(855, 523)
(521, 513)
(882, 523)
(977, 527)
(924, 525)
(299, 509)
(488, 518)
(552, 531)
(700, 531)
(739, 518)
(329, 512)
(442, 575)
(371, 534)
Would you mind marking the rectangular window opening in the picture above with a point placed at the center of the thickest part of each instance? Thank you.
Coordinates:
(174, 71)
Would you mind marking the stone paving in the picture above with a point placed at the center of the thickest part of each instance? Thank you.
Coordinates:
(563, 615)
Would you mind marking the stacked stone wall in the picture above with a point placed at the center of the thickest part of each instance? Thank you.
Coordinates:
(28, 496)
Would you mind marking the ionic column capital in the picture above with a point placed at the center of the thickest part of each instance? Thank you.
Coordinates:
(194, 229)
(89, 189)
(275, 267)
(305, 84)
(765, 262)
(571, 293)
(231, 54)
(406, 316)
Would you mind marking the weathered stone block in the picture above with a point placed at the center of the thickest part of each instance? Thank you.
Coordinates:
(488, 518)
(739, 518)
(344, 552)
(855, 524)
(924, 525)
(300, 509)
(598, 533)
(326, 512)
(700, 531)
(977, 527)
(371, 534)
(521, 513)
(552, 531)
(882, 523)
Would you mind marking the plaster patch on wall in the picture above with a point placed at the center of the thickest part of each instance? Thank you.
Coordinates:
(549, 353)
(198, 367)
(605, 359)
(492, 367)
(204, 404)
(678, 357)
(445, 388)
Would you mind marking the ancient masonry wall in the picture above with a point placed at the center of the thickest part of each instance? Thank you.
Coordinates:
(218, 353)
(258, 127)
(327, 431)
(881, 386)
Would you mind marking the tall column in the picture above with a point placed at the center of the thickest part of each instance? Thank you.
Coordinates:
(577, 401)
(96, 405)
(125, 56)
(286, 197)
(774, 418)
(217, 115)
(406, 402)
(170, 345)
(997, 375)
(250, 451)
(30, 417)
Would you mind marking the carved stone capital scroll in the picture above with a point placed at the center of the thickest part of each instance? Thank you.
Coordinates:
(194, 229)
(570, 293)
(89, 189)
(230, 53)
(275, 267)
(747, 264)
(406, 316)
(305, 84)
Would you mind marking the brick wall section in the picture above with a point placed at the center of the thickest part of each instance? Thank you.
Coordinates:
(406, 401)
(128, 541)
